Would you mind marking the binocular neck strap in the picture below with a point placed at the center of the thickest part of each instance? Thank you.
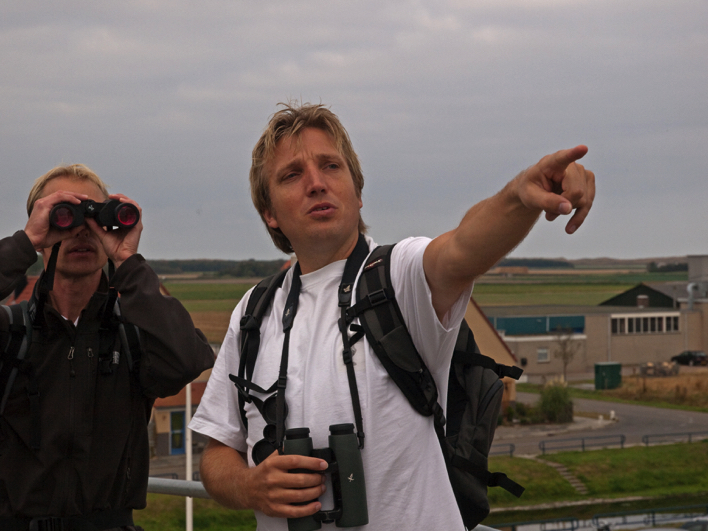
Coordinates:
(288, 318)
(45, 286)
(351, 268)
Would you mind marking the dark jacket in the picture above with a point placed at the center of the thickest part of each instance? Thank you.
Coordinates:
(94, 453)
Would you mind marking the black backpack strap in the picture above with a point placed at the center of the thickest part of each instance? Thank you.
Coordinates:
(128, 338)
(14, 362)
(250, 325)
(467, 353)
(16, 348)
(388, 335)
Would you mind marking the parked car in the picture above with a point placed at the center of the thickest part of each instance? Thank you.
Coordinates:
(691, 357)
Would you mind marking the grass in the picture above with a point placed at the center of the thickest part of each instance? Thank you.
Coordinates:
(545, 293)
(640, 471)
(685, 392)
(191, 291)
(167, 513)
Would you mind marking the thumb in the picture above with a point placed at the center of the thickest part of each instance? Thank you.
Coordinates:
(552, 204)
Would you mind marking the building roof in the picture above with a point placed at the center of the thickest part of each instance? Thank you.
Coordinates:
(487, 338)
(659, 295)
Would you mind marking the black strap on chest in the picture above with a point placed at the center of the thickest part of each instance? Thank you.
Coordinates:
(250, 340)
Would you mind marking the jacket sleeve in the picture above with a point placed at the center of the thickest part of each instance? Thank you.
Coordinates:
(174, 352)
(16, 256)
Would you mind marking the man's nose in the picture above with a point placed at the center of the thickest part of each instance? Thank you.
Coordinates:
(316, 181)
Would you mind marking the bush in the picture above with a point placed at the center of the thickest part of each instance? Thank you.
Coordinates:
(555, 404)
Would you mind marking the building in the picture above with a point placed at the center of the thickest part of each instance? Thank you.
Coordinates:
(650, 322)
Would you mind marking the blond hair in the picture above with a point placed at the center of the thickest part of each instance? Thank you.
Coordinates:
(73, 171)
(289, 122)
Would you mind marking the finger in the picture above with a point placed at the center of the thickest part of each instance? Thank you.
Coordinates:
(284, 510)
(290, 462)
(560, 160)
(551, 203)
(584, 207)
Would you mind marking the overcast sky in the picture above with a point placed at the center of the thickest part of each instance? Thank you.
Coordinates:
(445, 101)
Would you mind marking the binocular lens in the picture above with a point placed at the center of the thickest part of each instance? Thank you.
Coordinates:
(62, 217)
(127, 215)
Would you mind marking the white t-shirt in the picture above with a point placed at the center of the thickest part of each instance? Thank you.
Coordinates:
(406, 481)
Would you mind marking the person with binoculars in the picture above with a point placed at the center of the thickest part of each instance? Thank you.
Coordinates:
(91, 353)
(306, 184)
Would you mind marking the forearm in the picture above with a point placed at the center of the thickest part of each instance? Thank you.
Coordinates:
(173, 351)
(223, 471)
(487, 233)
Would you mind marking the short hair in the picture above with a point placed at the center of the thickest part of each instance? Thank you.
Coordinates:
(74, 171)
(289, 122)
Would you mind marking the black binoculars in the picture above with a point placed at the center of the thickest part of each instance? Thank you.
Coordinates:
(110, 214)
(344, 459)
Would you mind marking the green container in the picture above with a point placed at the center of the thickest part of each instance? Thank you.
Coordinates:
(608, 375)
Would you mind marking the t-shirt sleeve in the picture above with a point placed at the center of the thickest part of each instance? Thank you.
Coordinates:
(433, 339)
(218, 414)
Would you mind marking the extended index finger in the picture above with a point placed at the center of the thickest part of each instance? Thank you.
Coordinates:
(560, 160)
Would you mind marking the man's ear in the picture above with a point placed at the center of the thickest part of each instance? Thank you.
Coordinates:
(270, 220)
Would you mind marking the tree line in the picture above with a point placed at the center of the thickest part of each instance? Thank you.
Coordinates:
(225, 268)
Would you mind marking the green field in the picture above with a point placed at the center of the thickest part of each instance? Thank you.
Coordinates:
(568, 293)
(667, 474)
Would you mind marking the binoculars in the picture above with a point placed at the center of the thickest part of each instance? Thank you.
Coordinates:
(110, 214)
(344, 459)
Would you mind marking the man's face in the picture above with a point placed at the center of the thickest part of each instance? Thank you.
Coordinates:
(312, 193)
(83, 254)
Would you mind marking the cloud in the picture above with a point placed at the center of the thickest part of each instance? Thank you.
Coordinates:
(444, 101)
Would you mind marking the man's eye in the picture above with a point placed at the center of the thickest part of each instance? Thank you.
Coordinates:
(332, 166)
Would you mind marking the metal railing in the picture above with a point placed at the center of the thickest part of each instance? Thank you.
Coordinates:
(569, 523)
(177, 487)
(648, 517)
(673, 437)
(582, 443)
(503, 449)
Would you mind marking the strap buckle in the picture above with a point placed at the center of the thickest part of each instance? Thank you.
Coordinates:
(377, 297)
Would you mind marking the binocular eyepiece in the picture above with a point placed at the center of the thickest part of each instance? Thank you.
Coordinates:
(110, 214)
(345, 464)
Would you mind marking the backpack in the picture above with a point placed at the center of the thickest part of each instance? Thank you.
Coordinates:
(475, 388)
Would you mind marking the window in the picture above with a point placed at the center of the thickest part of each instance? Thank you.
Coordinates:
(542, 354)
(645, 324)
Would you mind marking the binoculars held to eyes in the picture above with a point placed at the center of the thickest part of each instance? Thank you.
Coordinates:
(110, 214)
(347, 469)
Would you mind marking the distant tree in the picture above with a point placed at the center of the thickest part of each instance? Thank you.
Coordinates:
(566, 348)
(542, 263)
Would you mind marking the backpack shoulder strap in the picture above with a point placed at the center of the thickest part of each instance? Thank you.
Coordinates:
(250, 325)
(20, 328)
(386, 331)
(128, 339)
(467, 353)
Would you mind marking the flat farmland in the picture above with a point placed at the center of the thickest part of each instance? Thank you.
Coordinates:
(211, 301)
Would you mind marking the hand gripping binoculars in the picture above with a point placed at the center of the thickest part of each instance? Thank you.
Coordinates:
(110, 214)
(344, 459)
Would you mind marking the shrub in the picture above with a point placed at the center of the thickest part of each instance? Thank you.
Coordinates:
(555, 404)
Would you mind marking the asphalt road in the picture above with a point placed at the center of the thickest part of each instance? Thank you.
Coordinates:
(632, 421)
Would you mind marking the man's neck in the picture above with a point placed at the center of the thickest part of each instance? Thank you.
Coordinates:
(70, 295)
(319, 255)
